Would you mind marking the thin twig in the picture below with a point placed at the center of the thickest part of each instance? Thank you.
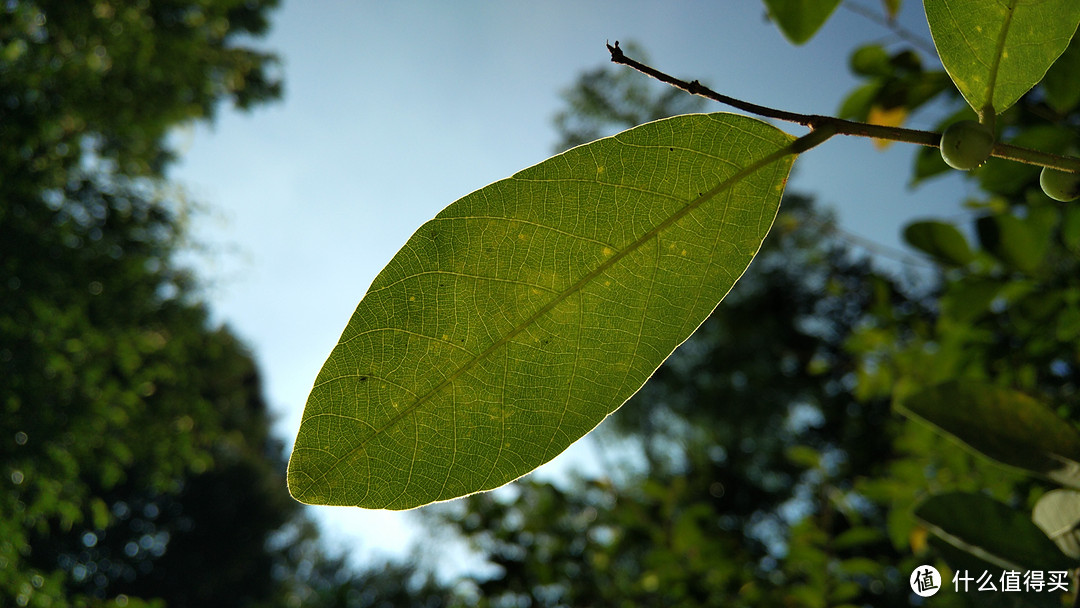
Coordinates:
(696, 88)
(813, 121)
(892, 25)
(841, 126)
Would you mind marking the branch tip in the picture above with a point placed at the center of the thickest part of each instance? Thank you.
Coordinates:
(616, 52)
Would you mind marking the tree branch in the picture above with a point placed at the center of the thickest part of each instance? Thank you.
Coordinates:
(841, 126)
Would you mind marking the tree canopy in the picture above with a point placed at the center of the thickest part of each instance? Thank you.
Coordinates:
(136, 443)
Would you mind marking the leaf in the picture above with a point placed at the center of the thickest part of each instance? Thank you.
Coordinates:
(856, 106)
(990, 531)
(803, 456)
(939, 240)
(1070, 228)
(799, 20)
(511, 324)
(1002, 424)
(996, 50)
(1062, 80)
(857, 537)
(1058, 515)
(892, 8)
(1012, 240)
(968, 572)
(968, 298)
(870, 60)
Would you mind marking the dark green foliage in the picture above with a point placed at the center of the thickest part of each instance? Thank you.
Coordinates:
(135, 442)
(1017, 544)
(112, 78)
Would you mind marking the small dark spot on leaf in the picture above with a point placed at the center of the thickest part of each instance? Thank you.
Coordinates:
(671, 149)
(363, 378)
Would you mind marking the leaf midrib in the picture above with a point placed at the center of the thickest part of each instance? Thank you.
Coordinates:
(999, 51)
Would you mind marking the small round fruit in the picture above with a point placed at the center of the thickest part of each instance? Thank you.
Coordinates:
(1060, 185)
(966, 144)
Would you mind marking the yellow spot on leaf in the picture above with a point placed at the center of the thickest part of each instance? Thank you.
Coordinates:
(607, 251)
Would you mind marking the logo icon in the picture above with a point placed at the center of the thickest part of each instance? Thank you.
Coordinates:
(925, 581)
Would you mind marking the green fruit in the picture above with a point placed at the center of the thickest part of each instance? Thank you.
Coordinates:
(966, 144)
(1060, 185)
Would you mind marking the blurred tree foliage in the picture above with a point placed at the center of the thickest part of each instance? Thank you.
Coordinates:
(1004, 314)
(137, 460)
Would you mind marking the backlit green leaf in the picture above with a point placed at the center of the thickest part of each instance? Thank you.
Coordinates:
(799, 20)
(996, 50)
(870, 60)
(1010, 427)
(940, 240)
(511, 324)
(1015, 241)
(1062, 81)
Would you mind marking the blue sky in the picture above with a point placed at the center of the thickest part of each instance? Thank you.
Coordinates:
(394, 110)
